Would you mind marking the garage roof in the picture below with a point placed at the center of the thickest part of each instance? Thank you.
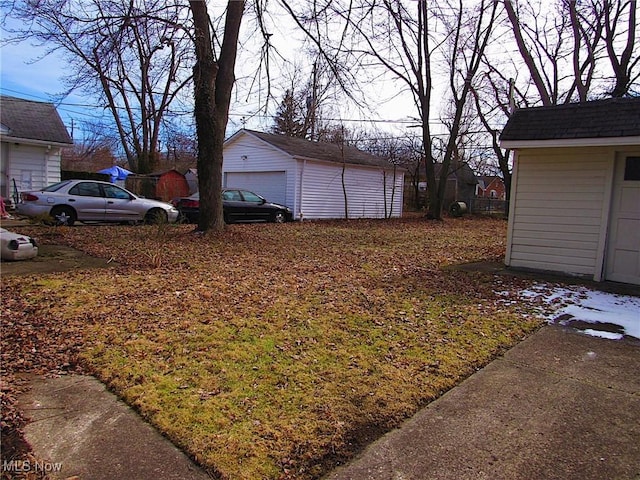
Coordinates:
(600, 119)
(29, 120)
(302, 148)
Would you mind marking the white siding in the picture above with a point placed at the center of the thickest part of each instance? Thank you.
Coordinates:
(314, 188)
(322, 195)
(559, 210)
(32, 167)
(250, 155)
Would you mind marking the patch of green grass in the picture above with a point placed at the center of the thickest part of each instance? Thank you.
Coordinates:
(278, 361)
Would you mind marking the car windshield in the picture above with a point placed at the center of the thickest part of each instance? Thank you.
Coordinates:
(56, 186)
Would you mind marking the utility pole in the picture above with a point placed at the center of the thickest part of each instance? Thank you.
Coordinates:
(311, 105)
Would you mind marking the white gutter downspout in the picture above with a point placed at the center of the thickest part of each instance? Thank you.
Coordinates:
(300, 213)
(47, 156)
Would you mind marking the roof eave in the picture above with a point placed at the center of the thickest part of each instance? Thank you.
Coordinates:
(243, 132)
(571, 142)
(33, 141)
(353, 164)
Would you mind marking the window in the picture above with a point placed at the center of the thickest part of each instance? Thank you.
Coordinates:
(86, 189)
(53, 188)
(111, 191)
(632, 169)
(251, 197)
(232, 195)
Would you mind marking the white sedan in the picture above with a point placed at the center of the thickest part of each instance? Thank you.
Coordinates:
(92, 201)
(17, 247)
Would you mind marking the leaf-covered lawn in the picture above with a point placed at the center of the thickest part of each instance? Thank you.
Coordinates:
(271, 351)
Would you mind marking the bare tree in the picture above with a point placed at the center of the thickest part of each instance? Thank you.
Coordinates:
(564, 55)
(487, 112)
(130, 54)
(213, 83)
(397, 37)
(564, 48)
(625, 64)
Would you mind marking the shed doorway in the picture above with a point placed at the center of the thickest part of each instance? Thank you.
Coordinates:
(623, 252)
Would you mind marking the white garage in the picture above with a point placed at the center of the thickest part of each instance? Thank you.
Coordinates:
(271, 185)
(575, 198)
(316, 180)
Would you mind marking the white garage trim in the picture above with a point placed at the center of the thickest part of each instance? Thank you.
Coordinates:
(623, 250)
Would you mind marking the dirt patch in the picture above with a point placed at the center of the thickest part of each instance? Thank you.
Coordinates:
(55, 258)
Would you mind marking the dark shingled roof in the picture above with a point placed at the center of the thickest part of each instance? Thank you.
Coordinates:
(32, 120)
(300, 147)
(613, 117)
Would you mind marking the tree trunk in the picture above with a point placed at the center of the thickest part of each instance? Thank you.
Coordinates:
(213, 83)
(526, 54)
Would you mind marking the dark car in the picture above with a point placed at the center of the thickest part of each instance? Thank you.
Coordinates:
(238, 206)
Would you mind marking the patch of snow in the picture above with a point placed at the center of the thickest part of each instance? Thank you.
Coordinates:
(568, 304)
(601, 334)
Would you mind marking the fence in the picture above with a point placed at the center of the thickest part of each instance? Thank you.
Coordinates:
(487, 205)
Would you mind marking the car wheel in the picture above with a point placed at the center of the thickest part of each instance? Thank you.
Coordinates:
(63, 215)
(182, 218)
(156, 216)
(279, 217)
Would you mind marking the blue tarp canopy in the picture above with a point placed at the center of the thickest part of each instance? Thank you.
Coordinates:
(116, 172)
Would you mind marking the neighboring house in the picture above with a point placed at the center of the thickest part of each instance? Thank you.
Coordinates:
(575, 194)
(460, 186)
(308, 176)
(490, 186)
(32, 136)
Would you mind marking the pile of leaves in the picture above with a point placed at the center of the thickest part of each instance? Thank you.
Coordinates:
(270, 351)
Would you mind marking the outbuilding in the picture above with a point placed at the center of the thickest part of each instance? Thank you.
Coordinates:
(32, 136)
(575, 198)
(316, 180)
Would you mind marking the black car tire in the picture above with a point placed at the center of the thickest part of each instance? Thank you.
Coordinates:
(279, 217)
(63, 215)
(182, 218)
(156, 216)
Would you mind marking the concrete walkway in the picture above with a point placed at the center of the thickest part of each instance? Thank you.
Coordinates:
(84, 432)
(560, 405)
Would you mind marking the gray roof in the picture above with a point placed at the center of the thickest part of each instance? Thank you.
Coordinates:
(460, 171)
(613, 117)
(300, 147)
(31, 120)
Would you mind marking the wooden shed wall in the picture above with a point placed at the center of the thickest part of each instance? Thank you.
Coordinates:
(559, 209)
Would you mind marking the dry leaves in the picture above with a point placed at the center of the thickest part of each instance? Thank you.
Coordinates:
(270, 351)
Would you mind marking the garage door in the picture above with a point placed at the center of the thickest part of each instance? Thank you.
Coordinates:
(623, 256)
(271, 185)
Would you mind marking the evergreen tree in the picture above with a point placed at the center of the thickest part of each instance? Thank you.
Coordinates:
(292, 117)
